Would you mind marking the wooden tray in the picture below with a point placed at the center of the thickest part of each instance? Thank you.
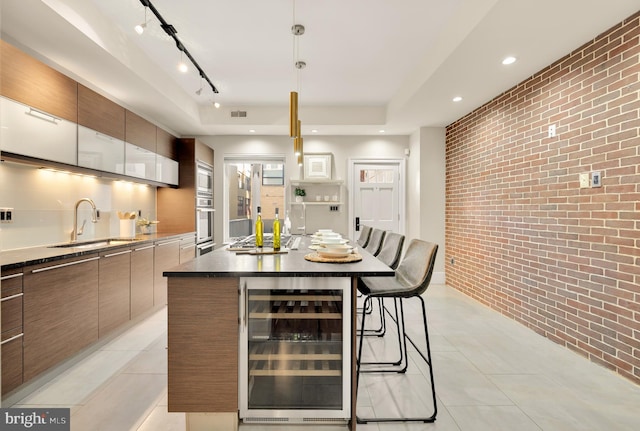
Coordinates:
(315, 257)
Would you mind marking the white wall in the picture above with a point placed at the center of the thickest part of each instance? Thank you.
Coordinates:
(432, 192)
(342, 148)
(44, 202)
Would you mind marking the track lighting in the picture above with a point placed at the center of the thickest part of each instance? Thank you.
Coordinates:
(182, 66)
(140, 27)
(171, 32)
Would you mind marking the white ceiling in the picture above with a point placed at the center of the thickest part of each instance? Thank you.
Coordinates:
(371, 64)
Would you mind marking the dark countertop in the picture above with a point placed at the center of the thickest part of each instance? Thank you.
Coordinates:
(224, 263)
(19, 257)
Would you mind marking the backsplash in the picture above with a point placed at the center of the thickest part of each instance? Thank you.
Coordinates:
(43, 203)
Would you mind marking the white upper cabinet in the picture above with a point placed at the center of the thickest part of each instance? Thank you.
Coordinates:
(140, 162)
(166, 170)
(31, 132)
(99, 151)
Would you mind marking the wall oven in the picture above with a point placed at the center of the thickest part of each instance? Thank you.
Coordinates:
(204, 179)
(204, 224)
(204, 208)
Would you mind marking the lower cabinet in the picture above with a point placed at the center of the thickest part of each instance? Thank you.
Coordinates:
(12, 329)
(141, 279)
(113, 290)
(60, 311)
(187, 248)
(203, 330)
(167, 255)
(53, 310)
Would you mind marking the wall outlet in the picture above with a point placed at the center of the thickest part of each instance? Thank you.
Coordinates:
(584, 180)
(6, 215)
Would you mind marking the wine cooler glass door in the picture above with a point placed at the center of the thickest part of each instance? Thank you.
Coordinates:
(295, 349)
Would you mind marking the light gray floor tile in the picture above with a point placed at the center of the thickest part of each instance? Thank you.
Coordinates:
(161, 420)
(491, 418)
(75, 385)
(123, 404)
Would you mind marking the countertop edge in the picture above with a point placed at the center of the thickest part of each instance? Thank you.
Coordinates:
(15, 258)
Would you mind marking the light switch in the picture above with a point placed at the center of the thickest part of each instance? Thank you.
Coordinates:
(584, 180)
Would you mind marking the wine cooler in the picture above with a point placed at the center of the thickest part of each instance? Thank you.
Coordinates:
(295, 356)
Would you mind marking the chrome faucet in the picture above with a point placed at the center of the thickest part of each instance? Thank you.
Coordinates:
(94, 218)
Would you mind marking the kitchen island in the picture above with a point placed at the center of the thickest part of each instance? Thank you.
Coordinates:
(209, 305)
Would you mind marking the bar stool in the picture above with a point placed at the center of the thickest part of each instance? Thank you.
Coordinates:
(365, 233)
(390, 253)
(375, 241)
(412, 278)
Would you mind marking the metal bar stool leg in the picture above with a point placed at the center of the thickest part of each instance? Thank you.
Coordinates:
(426, 358)
(402, 348)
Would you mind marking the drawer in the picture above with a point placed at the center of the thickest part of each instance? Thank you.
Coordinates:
(11, 352)
(11, 284)
(11, 314)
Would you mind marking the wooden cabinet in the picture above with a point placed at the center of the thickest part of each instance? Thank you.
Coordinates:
(141, 279)
(60, 311)
(99, 113)
(167, 255)
(166, 144)
(203, 330)
(176, 208)
(114, 283)
(29, 81)
(140, 132)
(11, 295)
(187, 248)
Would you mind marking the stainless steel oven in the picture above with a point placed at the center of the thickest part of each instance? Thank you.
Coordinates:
(204, 179)
(204, 224)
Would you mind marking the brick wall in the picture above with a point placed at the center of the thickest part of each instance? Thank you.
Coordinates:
(521, 235)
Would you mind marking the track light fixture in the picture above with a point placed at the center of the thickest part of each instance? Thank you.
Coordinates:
(140, 27)
(171, 31)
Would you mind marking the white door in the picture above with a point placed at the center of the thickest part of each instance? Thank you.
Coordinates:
(376, 196)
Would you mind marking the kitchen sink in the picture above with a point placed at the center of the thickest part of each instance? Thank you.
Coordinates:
(96, 243)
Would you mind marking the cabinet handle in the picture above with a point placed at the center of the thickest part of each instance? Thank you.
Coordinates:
(167, 243)
(42, 115)
(6, 298)
(117, 254)
(144, 248)
(187, 246)
(64, 264)
(15, 337)
(104, 137)
(7, 277)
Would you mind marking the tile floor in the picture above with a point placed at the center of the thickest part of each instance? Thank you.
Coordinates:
(491, 374)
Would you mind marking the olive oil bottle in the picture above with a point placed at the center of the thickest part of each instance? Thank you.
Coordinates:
(276, 232)
(259, 230)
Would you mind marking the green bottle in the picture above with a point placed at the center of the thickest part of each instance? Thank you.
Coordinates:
(259, 229)
(276, 232)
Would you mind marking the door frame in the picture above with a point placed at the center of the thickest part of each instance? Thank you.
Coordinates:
(402, 169)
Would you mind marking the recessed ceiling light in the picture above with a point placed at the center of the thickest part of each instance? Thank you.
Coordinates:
(457, 99)
(509, 60)
(182, 67)
(216, 104)
(381, 131)
(314, 131)
(252, 130)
